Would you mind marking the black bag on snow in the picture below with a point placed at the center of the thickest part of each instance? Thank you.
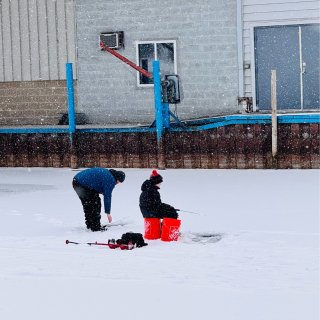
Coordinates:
(133, 238)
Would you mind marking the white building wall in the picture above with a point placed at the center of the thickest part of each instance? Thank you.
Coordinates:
(271, 12)
(37, 38)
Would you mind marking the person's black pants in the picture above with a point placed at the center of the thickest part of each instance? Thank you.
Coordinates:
(91, 204)
(165, 211)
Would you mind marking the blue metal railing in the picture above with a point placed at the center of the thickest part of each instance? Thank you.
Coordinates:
(207, 124)
(194, 125)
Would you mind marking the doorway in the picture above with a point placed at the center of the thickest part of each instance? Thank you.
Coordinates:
(293, 51)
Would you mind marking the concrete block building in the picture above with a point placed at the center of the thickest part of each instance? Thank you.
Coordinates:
(222, 50)
(195, 39)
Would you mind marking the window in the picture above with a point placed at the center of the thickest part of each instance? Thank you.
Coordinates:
(164, 51)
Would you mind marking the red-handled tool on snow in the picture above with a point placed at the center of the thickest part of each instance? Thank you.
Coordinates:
(111, 245)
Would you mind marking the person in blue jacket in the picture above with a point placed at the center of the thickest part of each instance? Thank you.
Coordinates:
(88, 184)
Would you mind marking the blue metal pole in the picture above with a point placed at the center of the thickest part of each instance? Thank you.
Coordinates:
(71, 113)
(166, 115)
(157, 99)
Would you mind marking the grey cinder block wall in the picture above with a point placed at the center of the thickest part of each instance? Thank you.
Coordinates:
(205, 32)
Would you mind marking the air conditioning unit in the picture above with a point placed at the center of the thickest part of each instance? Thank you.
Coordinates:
(113, 40)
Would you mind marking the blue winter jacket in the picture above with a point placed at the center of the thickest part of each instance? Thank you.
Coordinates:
(100, 180)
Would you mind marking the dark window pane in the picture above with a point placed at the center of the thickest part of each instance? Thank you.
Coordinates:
(146, 57)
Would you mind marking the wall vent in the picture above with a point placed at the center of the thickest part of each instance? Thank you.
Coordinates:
(113, 40)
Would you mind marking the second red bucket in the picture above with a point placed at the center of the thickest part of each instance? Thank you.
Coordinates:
(170, 229)
(152, 228)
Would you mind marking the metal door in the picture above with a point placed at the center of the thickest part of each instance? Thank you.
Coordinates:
(310, 65)
(293, 51)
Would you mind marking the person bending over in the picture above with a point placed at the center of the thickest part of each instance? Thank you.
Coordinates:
(88, 184)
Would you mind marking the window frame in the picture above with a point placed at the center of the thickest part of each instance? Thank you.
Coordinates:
(139, 42)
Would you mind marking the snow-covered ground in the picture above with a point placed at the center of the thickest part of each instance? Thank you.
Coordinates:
(265, 267)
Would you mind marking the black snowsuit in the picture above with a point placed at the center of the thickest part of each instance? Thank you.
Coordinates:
(151, 205)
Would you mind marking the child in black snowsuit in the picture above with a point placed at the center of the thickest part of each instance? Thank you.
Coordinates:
(150, 202)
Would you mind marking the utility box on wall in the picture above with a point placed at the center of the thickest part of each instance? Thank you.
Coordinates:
(171, 89)
(113, 40)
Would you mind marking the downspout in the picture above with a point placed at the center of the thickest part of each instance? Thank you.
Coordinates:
(240, 49)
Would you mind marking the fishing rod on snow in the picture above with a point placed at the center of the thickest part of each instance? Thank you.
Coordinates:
(189, 211)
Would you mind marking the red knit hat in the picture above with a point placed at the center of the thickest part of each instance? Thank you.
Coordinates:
(155, 177)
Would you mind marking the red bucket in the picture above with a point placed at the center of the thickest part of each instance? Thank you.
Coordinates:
(152, 228)
(170, 229)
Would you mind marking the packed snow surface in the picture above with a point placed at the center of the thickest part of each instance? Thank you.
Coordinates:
(263, 264)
